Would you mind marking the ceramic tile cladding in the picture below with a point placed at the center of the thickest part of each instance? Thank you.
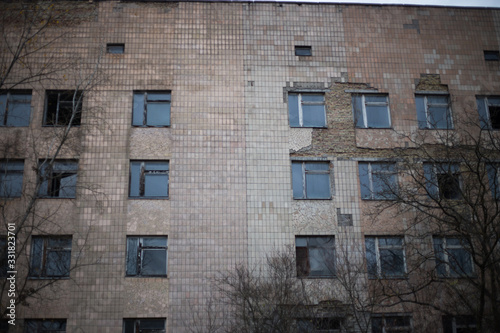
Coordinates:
(229, 67)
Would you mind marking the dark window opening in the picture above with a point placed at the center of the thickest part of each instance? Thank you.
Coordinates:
(303, 51)
(449, 186)
(494, 116)
(3, 257)
(115, 48)
(459, 324)
(391, 323)
(59, 181)
(144, 325)
(45, 326)
(63, 108)
(491, 55)
(50, 257)
(317, 325)
(147, 256)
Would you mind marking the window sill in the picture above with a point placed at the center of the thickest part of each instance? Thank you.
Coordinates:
(375, 128)
(330, 198)
(148, 198)
(146, 276)
(146, 126)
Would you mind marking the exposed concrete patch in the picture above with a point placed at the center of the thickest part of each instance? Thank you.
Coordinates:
(314, 217)
(300, 138)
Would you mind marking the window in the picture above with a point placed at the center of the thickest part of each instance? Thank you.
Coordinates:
(144, 325)
(442, 180)
(433, 111)
(63, 108)
(59, 181)
(45, 326)
(311, 180)
(151, 109)
(306, 110)
(459, 324)
(489, 111)
(491, 55)
(317, 325)
(392, 323)
(493, 175)
(385, 257)
(4, 326)
(303, 51)
(147, 256)
(371, 111)
(315, 256)
(452, 257)
(149, 179)
(15, 108)
(378, 180)
(115, 48)
(50, 257)
(11, 178)
(3, 257)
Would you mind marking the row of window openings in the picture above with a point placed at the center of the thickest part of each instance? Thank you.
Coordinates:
(379, 324)
(64, 107)
(385, 257)
(372, 111)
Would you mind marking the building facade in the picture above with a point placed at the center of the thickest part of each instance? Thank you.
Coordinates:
(219, 132)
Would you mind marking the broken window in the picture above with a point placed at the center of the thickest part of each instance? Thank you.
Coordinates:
(443, 180)
(15, 108)
(433, 112)
(391, 323)
(317, 325)
(115, 48)
(151, 108)
(50, 257)
(459, 324)
(303, 51)
(58, 180)
(371, 111)
(311, 180)
(45, 326)
(3, 257)
(378, 180)
(306, 110)
(11, 178)
(489, 111)
(385, 257)
(452, 257)
(144, 325)
(63, 108)
(149, 179)
(315, 256)
(147, 256)
(491, 55)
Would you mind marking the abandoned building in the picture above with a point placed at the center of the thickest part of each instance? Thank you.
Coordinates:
(149, 146)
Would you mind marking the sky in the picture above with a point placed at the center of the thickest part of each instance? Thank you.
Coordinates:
(459, 3)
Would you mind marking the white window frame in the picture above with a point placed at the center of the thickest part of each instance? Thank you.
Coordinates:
(446, 259)
(363, 109)
(427, 105)
(388, 247)
(374, 195)
(301, 111)
(487, 104)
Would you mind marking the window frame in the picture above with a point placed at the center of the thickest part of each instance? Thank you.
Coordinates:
(303, 177)
(138, 96)
(491, 55)
(52, 176)
(424, 116)
(76, 98)
(306, 50)
(483, 108)
(433, 182)
(9, 98)
(133, 325)
(368, 192)
(384, 319)
(115, 48)
(141, 178)
(303, 261)
(137, 251)
(39, 323)
(361, 116)
(319, 325)
(38, 270)
(452, 323)
(9, 168)
(449, 271)
(380, 273)
(299, 105)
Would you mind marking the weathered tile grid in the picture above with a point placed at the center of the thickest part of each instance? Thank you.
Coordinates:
(208, 169)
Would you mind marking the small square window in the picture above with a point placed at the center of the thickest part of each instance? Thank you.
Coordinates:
(371, 111)
(303, 51)
(3, 257)
(378, 180)
(459, 324)
(491, 55)
(144, 325)
(151, 109)
(50, 257)
(15, 108)
(311, 180)
(489, 111)
(147, 256)
(452, 257)
(149, 179)
(385, 257)
(58, 180)
(443, 181)
(433, 111)
(115, 48)
(306, 110)
(63, 108)
(45, 326)
(391, 323)
(315, 256)
(11, 178)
